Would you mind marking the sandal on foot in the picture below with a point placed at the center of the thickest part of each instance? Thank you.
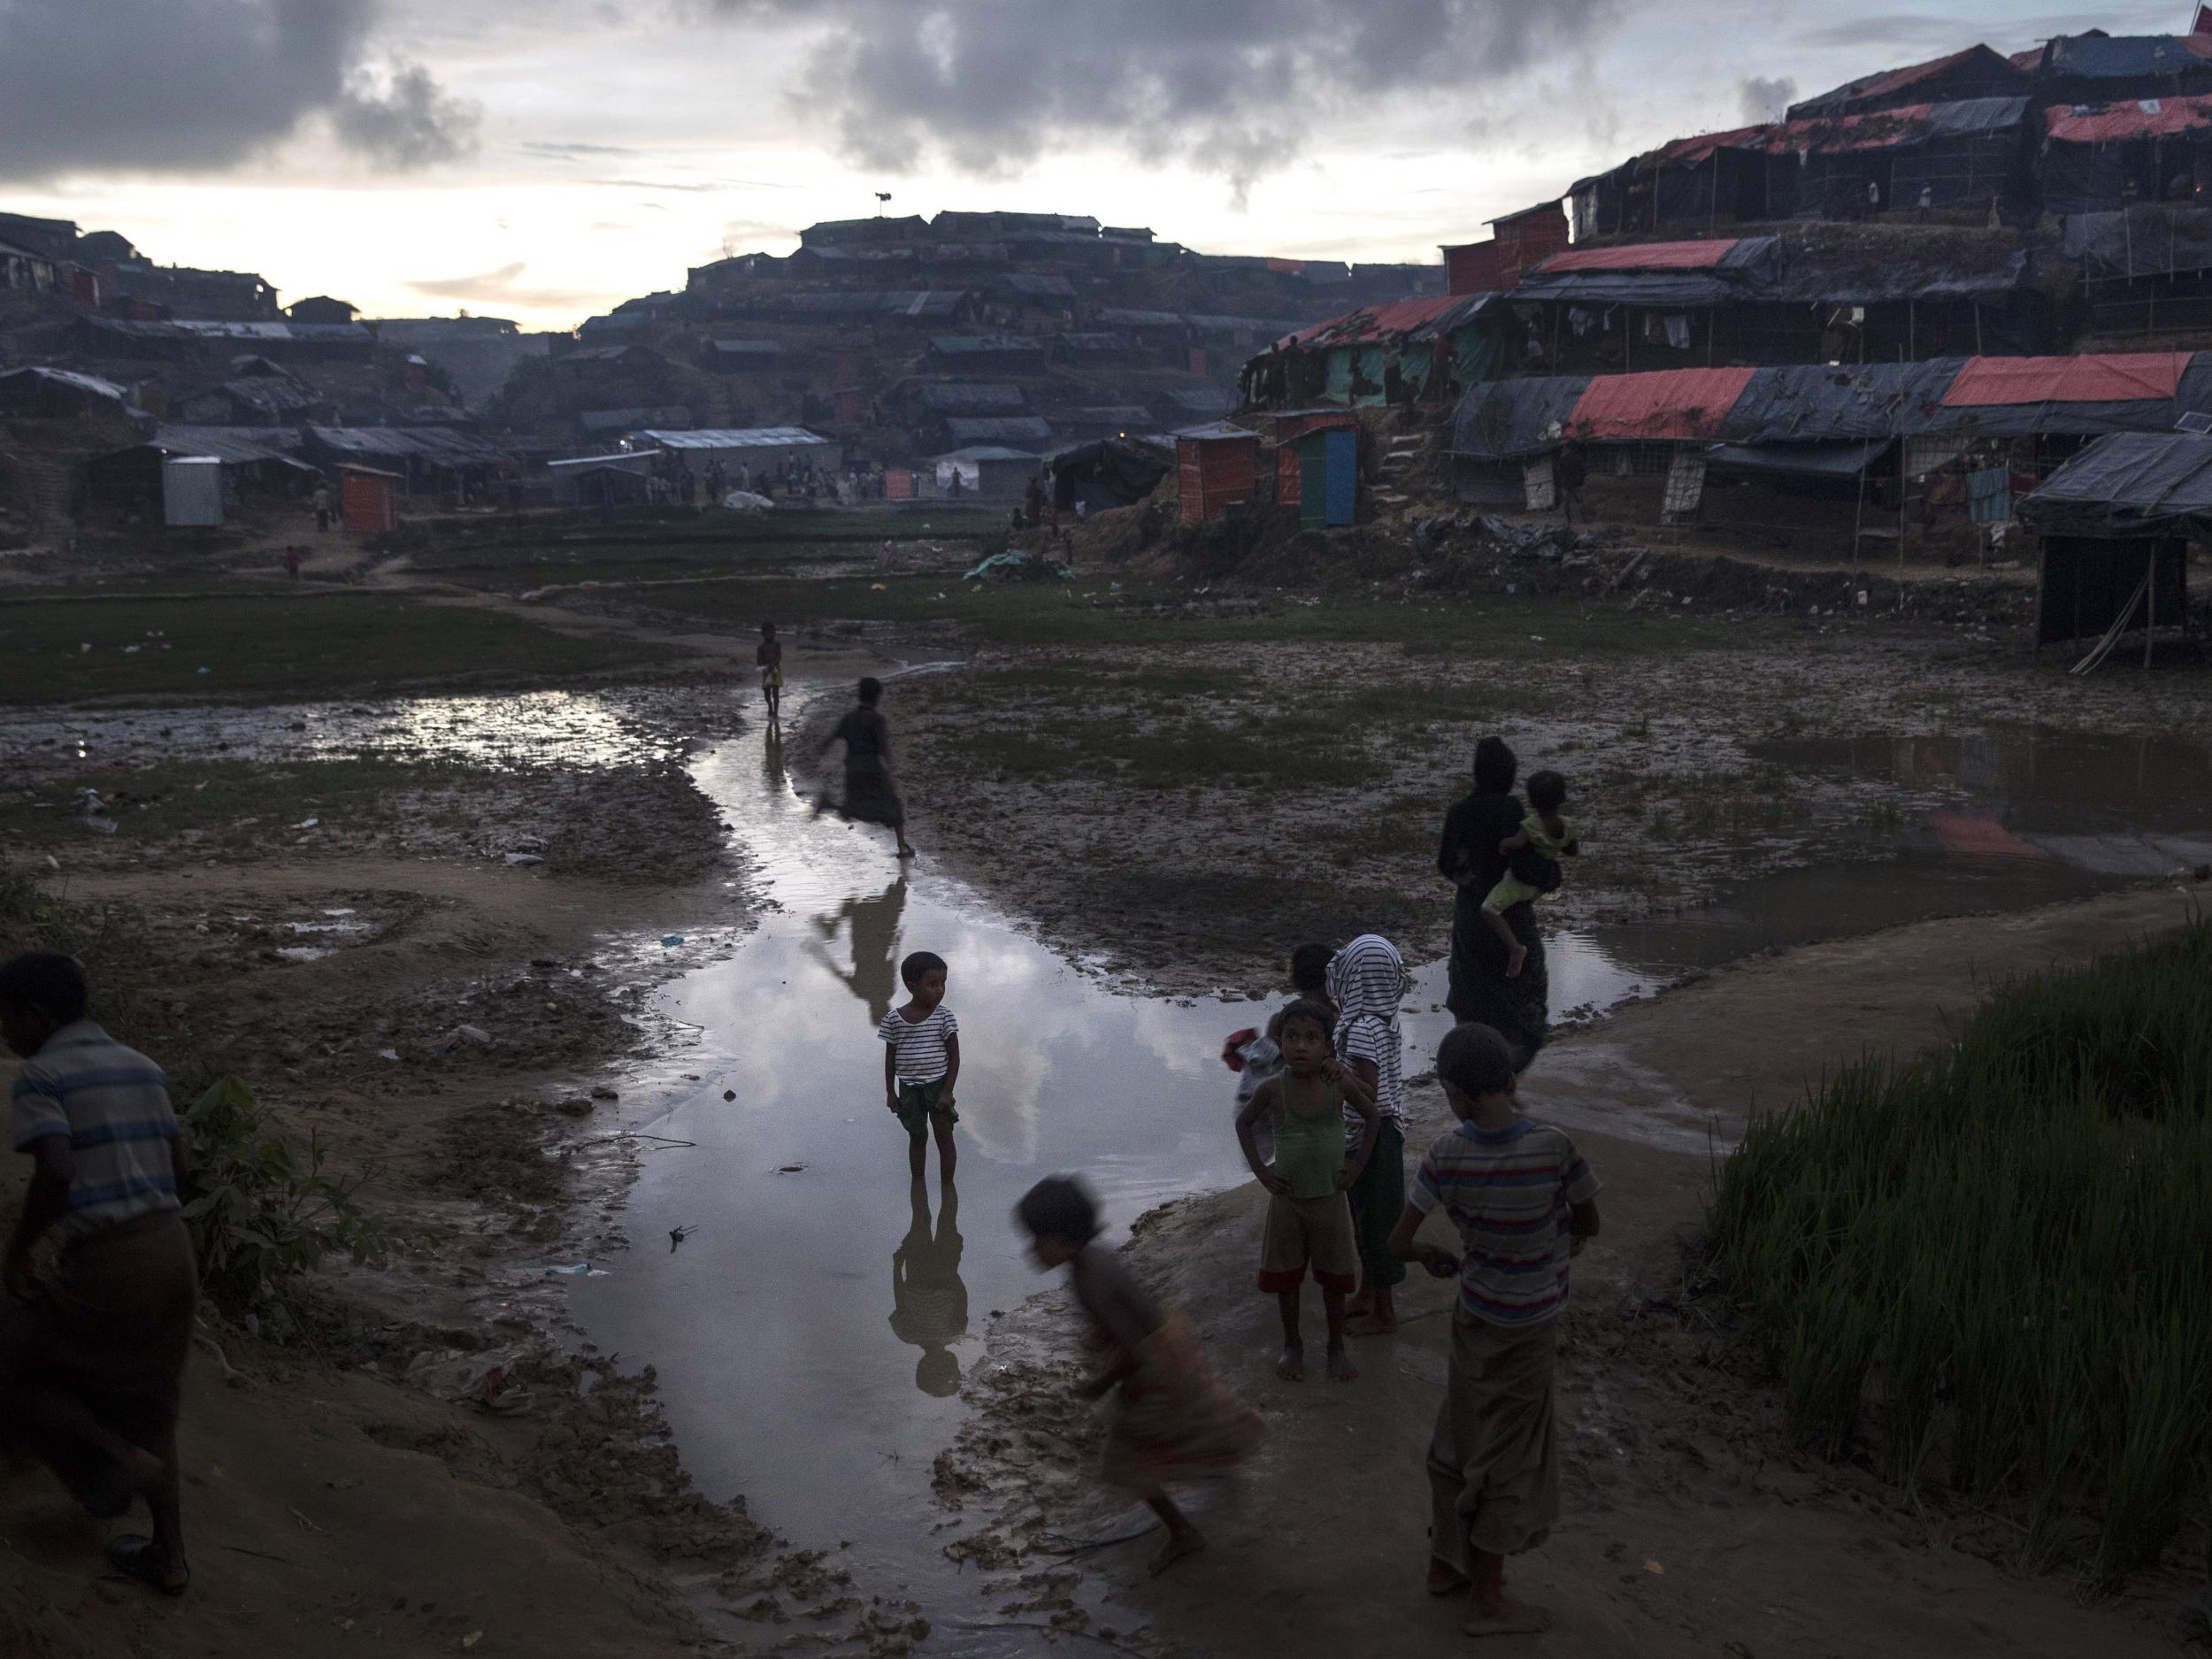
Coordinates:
(132, 1555)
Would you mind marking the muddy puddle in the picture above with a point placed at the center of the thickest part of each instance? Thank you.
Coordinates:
(538, 728)
(812, 1329)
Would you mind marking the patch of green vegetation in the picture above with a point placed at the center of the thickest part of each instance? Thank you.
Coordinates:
(1087, 613)
(229, 803)
(284, 645)
(1989, 1266)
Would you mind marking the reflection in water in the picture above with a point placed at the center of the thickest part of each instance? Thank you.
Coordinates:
(771, 759)
(875, 938)
(929, 1299)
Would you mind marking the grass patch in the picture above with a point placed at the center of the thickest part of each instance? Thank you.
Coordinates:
(1036, 613)
(1993, 1266)
(282, 645)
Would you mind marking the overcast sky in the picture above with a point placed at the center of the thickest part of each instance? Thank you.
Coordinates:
(543, 160)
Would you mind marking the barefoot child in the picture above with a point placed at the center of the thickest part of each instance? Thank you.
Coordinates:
(1543, 831)
(1309, 1222)
(1172, 1420)
(1366, 980)
(769, 655)
(921, 1061)
(1523, 1201)
(1255, 1056)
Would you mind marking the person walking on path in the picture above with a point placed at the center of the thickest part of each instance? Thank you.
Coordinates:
(322, 508)
(871, 793)
(92, 1357)
(1517, 1006)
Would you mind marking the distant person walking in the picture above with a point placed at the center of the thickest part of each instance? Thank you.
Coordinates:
(871, 795)
(322, 508)
(1469, 856)
(769, 655)
(1570, 472)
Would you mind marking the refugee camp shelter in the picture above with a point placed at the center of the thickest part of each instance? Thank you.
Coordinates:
(368, 499)
(1217, 467)
(990, 471)
(1975, 73)
(191, 491)
(1110, 473)
(249, 461)
(2115, 523)
(424, 457)
(57, 393)
(2098, 156)
(1396, 355)
(601, 480)
(754, 448)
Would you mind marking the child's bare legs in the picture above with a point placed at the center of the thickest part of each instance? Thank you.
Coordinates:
(1490, 1611)
(1373, 1312)
(1515, 952)
(946, 1156)
(1183, 1539)
(1341, 1366)
(918, 1155)
(1291, 1366)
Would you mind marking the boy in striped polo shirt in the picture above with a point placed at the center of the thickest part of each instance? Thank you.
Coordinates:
(92, 1359)
(921, 1063)
(1523, 1201)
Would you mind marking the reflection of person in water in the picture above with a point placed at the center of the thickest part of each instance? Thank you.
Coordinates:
(875, 927)
(930, 1304)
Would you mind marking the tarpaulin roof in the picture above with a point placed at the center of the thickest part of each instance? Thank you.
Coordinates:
(970, 345)
(1663, 404)
(442, 446)
(2125, 56)
(1095, 342)
(969, 397)
(737, 438)
(1215, 432)
(1873, 129)
(998, 429)
(234, 446)
(1955, 266)
(2149, 238)
(2080, 380)
(2129, 483)
(2135, 118)
(89, 383)
(1659, 274)
(1886, 81)
(1799, 460)
(1828, 403)
(1375, 325)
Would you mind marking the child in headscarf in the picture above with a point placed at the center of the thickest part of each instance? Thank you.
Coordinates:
(1366, 980)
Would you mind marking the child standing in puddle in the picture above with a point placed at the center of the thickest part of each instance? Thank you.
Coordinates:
(1174, 1420)
(1544, 831)
(1309, 1222)
(921, 1061)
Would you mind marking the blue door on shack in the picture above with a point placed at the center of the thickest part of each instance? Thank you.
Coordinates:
(1328, 490)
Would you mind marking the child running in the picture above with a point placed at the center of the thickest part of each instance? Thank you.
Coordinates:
(1366, 980)
(1524, 1201)
(1172, 1420)
(1309, 1223)
(921, 1061)
(769, 655)
(1549, 834)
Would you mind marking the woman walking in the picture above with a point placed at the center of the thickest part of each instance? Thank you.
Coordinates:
(871, 795)
(1517, 1007)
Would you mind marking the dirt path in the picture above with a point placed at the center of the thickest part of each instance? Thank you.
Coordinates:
(1691, 1527)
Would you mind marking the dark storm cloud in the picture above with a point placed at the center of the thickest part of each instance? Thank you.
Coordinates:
(194, 85)
(1229, 85)
(1763, 98)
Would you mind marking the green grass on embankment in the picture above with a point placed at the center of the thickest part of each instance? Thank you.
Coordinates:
(1992, 1267)
(285, 644)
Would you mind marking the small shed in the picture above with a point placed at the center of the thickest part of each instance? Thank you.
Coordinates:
(368, 500)
(989, 471)
(1217, 467)
(2115, 523)
(1328, 483)
(192, 491)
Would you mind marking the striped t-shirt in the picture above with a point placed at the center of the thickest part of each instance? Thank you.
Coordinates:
(920, 1044)
(113, 1104)
(1364, 1037)
(1508, 1191)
